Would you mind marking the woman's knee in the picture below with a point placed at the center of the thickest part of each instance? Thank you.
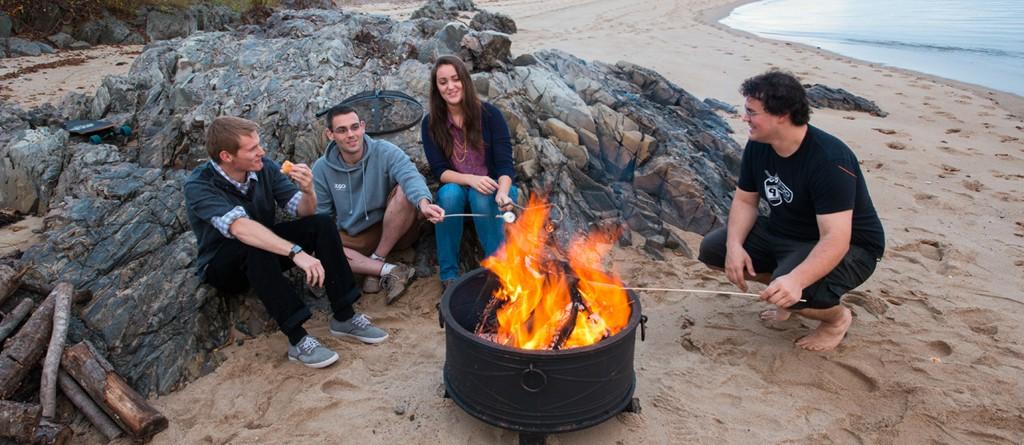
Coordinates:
(451, 197)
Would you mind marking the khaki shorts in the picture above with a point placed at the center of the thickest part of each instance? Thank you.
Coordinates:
(367, 240)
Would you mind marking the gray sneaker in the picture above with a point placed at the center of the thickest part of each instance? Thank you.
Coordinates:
(358, 327)
(394, 283)
(311, 353)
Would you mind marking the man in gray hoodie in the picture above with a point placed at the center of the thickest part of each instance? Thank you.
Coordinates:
(373, 190)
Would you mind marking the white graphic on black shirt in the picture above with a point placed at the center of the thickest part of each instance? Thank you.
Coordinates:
(776, 191)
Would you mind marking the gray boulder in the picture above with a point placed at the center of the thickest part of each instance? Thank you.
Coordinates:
(163, 25)
(493, 21)
(21, 47)
(61, 40)
(107, 30)
(30, 164)
(821, 96)
(5, 25)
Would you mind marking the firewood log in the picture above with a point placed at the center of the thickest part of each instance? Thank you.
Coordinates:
(48, 433)
(18, 420)
(24, 350)
(48, 384)
(13, 319)
(9, 281)
(84, 404)
(99, 379)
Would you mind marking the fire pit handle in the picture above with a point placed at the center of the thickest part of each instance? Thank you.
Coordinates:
(440, 316)
(533, 379)
(643, 327)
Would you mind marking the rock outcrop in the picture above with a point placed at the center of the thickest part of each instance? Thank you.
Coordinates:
(607, 143)
(822, 96)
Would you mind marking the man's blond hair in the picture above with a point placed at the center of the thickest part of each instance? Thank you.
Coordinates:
(224, 134)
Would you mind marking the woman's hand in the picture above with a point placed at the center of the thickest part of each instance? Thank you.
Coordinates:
(483, 184)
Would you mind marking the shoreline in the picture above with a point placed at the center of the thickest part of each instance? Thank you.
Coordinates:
(1009, 101)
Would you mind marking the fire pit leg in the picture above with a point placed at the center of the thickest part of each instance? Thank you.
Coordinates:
(532, 439)
(633, 406)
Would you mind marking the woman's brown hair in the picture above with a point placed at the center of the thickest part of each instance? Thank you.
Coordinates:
(471, 109)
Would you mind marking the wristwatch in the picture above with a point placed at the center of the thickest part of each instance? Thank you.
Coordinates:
(295, 251)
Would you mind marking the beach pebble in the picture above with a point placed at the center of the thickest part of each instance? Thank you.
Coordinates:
(400, 409)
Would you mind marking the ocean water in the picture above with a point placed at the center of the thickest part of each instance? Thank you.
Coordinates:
(975, 41)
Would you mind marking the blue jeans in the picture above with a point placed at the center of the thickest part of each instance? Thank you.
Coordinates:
(490, 230)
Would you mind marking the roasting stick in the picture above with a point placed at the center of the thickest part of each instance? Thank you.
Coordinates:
(694, 291)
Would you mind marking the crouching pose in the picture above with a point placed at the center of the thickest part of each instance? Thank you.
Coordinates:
(823, 236)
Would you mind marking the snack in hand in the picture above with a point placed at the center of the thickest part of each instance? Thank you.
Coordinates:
(286, 167)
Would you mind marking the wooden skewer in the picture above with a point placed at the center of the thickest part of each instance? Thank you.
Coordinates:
(695, 291)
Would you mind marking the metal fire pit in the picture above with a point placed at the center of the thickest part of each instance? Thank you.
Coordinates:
(533, 392)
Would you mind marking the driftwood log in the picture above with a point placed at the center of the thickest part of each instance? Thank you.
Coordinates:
(48, 433)
(9, 281)
(51, 364)
(125, 406)
(18, 421)
(13, 319)
(80, 296)
(84, 404)
(24, 350)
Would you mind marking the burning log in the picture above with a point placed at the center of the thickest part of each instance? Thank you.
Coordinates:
(84, 404)
(9, 281)
(99, 379)
(24, 350)
(13, 319)
(61, 311)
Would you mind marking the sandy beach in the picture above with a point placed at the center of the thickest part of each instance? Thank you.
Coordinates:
(935, 353)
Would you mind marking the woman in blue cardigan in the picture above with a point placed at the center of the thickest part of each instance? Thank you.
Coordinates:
(470, 152)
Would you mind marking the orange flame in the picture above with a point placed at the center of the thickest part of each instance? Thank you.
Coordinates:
(537, 303)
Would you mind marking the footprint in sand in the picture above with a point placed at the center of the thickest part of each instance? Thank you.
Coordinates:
(896, 145)
(885, 130)
(928, 248)
(940, 348)
(981, 321)
(952, 130)
(337, 387)
(973, 185)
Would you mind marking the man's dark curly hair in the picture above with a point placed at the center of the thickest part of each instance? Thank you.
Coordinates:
(781, 93)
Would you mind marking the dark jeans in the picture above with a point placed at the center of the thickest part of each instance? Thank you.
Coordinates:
(780, 255)
(237, 266)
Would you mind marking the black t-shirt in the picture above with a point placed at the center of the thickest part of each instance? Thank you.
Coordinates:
(821, 177)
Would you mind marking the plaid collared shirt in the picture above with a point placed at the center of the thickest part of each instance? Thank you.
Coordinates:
(223, 223)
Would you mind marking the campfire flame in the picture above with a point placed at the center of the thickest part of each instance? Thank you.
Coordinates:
(537, 309)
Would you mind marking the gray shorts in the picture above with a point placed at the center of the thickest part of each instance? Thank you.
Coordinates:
(779, 255)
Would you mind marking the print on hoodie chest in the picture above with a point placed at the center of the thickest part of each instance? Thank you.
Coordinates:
(775, 191)
(340, 186)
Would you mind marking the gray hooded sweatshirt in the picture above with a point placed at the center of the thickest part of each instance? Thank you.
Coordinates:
(357, 195)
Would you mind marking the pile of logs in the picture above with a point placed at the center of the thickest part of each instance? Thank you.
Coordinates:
(82, 374)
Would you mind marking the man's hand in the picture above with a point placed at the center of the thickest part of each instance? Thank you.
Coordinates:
(504, 202)
(312, 267)
(303, 176)
(432, 212)
(783, 291)
(483, 184)
(737, 261)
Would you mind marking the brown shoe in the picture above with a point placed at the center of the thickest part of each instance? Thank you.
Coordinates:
(371, 284)
(395, 282)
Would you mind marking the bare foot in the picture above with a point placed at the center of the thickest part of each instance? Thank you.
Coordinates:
(828, 334)
(775, 314)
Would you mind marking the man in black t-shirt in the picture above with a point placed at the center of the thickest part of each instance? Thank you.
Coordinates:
(822, 237)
